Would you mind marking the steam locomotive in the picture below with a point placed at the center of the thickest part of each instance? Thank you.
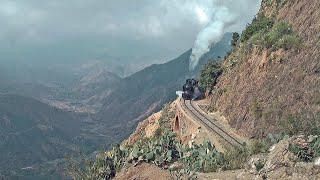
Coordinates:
(191, 90)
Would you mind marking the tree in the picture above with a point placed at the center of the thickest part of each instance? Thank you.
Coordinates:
(209, 74)
(235, 39)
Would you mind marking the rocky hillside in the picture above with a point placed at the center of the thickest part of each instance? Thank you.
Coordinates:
(94, 85)
(271, 81)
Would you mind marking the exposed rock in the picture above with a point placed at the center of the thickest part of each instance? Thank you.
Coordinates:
(317, 162)
(272, 148)
(175, 166)
(281, 164)
(193, 136)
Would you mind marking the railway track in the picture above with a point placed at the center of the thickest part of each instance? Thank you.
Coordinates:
(210, 125)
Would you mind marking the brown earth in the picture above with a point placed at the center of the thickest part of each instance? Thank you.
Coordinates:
(148, 127)
(279, 84)
(144, 171)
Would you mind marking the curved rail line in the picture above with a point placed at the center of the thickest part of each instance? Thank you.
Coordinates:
(212, 126)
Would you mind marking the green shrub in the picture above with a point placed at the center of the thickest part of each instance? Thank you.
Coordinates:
(258, 146)
(279, 36)
(290, 42)
(203, 158)
(269, 2)
(235, 158)
(235, 39)
(158, 132)
(307, 153)
(258, 25)
(274, 138)
(282, 2)
(282, 28)
(279, 2)
(85, 169)
(293, 125)
(259, 165)
(209, 74)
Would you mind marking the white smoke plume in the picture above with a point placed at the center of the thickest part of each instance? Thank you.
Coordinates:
(223, 16)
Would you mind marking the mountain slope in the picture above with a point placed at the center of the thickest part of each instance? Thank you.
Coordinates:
(148, 90)
(270, 90)
(94, 85)
(33, 132)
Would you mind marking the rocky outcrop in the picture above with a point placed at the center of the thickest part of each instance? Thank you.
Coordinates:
(280, 163)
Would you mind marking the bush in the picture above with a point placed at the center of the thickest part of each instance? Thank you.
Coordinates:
(209, 74)
(293, 125)
(309, 152)
(258, 25)
(235, 39)
(289, 42)
(258, 146)
(265, 33)
(235, 158)
(282, 2)
(203, 158)
(83, 168)
(279, 36)
(158, 132)
(279, 2)
(259, 165)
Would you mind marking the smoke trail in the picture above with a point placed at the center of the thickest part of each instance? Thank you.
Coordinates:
(211, 34)
(224, 16)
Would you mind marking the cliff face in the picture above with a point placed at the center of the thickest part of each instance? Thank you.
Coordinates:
(267, 90)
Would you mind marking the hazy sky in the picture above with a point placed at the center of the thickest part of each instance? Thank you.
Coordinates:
(70, 30)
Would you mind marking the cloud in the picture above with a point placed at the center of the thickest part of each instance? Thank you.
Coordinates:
(147, 29)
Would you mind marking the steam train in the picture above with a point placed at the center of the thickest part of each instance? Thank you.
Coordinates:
(191, 90)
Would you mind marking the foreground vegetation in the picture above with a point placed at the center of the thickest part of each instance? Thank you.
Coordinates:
(167, 152)
(209, 74)
(307, 152)
(162, 151)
